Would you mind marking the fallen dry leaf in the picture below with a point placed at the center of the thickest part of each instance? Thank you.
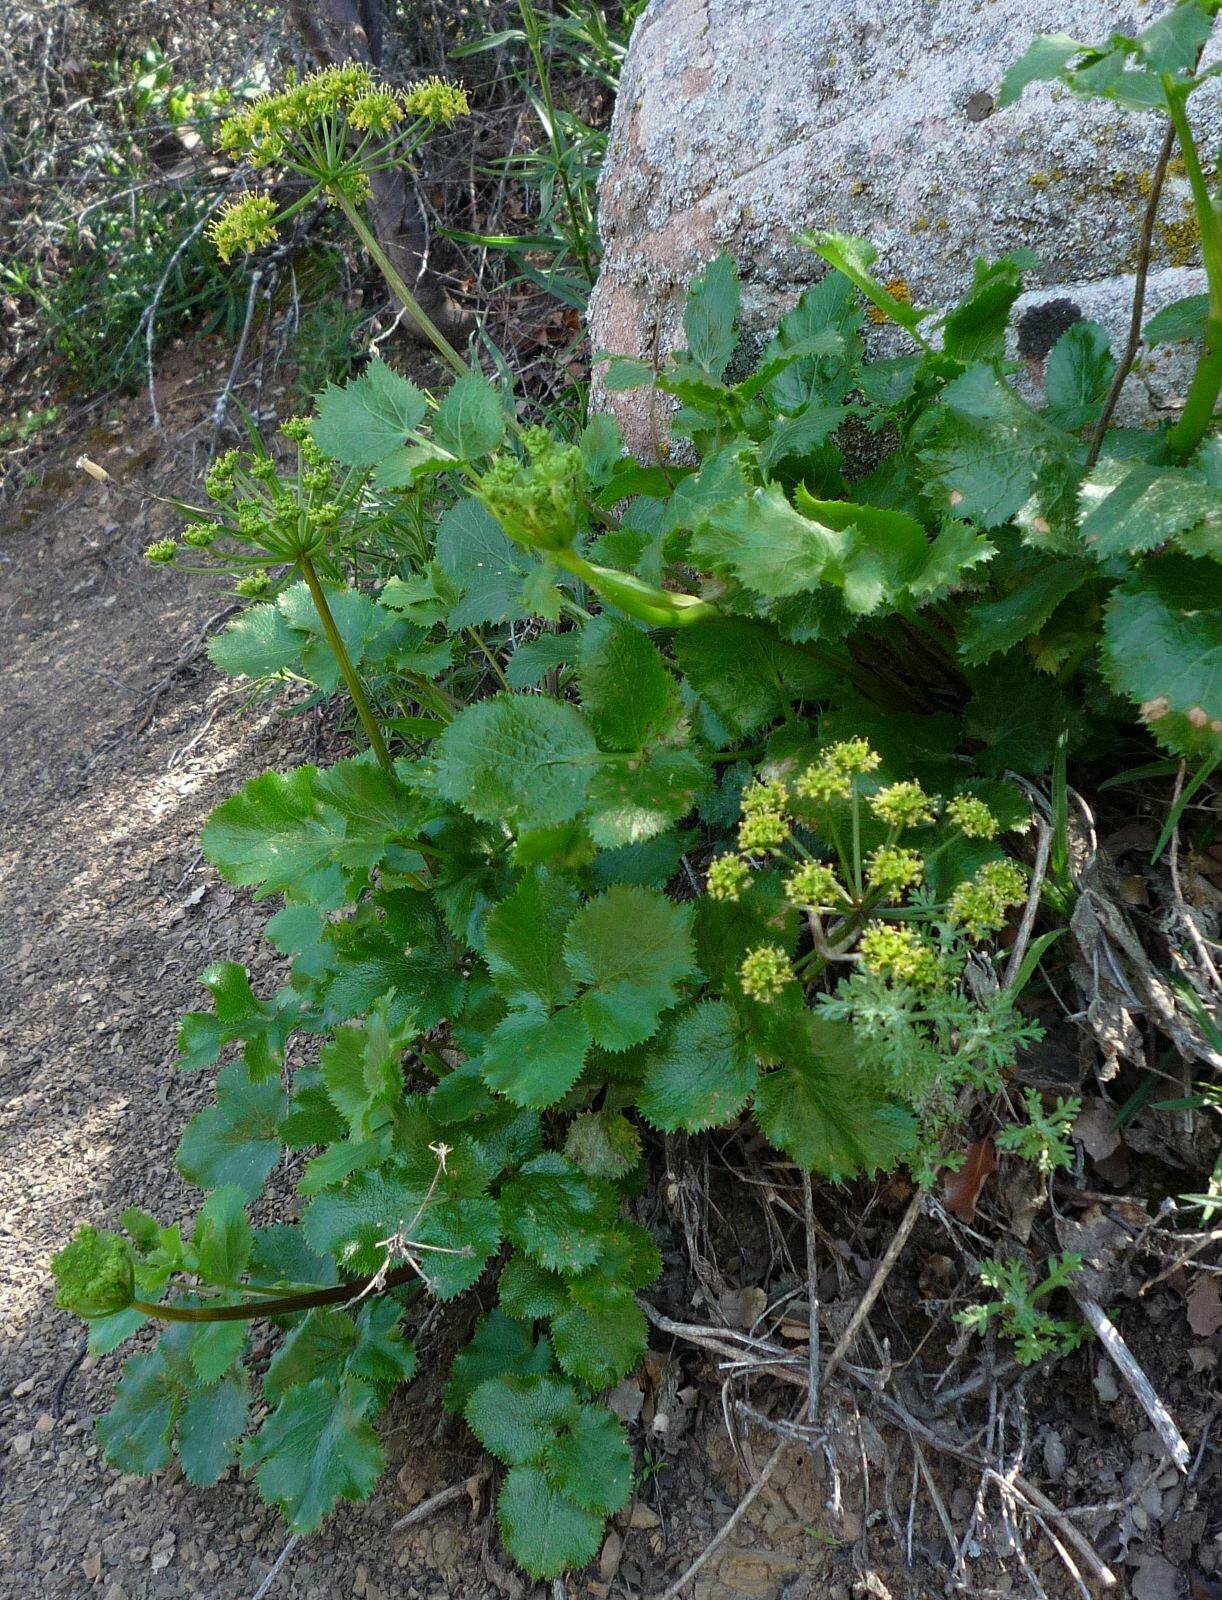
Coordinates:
(1205, 1307)
(961, 1190)
(1093, 1126)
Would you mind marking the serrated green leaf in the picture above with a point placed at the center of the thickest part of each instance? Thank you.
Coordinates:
(626, 372)
(1018, 716)
(600, 1346)
(312, 1118)
(272, 836)
(628, 695)
(1077, 376)
(347, 1223)
(534, 1058)
(769, 546)
(709, 315)
(553, 1212)
(281, 1258)
(471, 420)
(1046, 57)
(543, 1530)
(362, 1070)
(591, 1462)
(854, 256)
(701, 1072)
(1174, 43)
(258, 643)
(483, 563)
(820, 1108)
(528, 1291)
(630, 947)
(976, 329)
(995, 626)
(516, 1418)
(235, 1141)
(135, 1432)
(524, 941)
(746, 672)
(214, 1347)
(630, 802)
(1134, 508)
(360, 424)
(238, 1014)
(317, 1447)
(984, 450)
(521, 759)
(1181, 320)
(500, 1345)
(1163, 649)
(328, 1343)
(222, 1237)
(799, 435)
(210, 1425)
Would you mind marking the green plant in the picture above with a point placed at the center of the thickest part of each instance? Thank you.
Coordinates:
(1035, 1332)
(687, 800)
(1044, 1139)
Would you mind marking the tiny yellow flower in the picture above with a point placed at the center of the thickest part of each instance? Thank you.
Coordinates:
(437, 101)
(972, 817)
(892, 870)
(979, 906)
(243, 225)
(816, 886)
(892, 951)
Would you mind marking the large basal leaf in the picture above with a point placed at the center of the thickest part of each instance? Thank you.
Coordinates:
(517, 1418)
(238, 1014)
(135, 1432)
(328, 1343)
(600, 1346)
(534, 1058)
(630, 802)
(211, 1423)
(501, 1344)
(272, 836)
(820, 1108)
(995, 626)
(1163, 649)
(481, 561)
(976, 329)
(746, 672)
(553, 1212)
(521, 759)
(700, 1073)
(524, 941)
(1129, 509)
(630, 947)
(362, 423)
(591, 1463)
(1077, 376)
(317, 1447)
(222, 1237)
(235, 1141)
(628, 695)
(543, 1530)
(708, 316)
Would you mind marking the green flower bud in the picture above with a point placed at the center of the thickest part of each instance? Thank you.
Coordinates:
(728, 877)
(95, 1275)
(254, 586)
(199, 535)
(816, 886)
(243, 225)
(972, 817)
(902, 805)
(892, 870)
(161, 551)
(979, 906)
(764, 973)
(892, 951)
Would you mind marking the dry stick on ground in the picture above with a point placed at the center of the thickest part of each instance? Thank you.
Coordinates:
(812, 1292)
(883, 1272)
(436, 1502)
(265, 1587)
(1122, 1357)
(1125, 364)
(1038, 873)
(727, 1527)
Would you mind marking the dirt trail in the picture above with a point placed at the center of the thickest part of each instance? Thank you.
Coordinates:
(110, 760)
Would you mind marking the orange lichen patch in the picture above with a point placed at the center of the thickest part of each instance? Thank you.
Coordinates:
(898, 289)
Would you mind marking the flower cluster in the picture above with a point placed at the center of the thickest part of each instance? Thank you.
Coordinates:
(537, 500)
(764, 973)
(242, 225)
(891, 870)
(764, 825)
(979, 906)
(972, 817)
(261, 130)
(902, 805)
(831, 777)
(892, 950)
(437, 101)
(727, 877)
(816, 887)
(161, 551)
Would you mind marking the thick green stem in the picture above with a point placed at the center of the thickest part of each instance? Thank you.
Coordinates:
(339, 1295)
(355, 687)
(399, 289)
(1206, 384)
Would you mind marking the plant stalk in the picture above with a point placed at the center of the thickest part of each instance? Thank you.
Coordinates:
(338, 1295)
(349, 673)
(1207, 380)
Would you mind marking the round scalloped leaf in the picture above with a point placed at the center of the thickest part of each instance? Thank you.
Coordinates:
(1163, 649)
(518, 1418)
(701, 1073)
(543, 1530)
(591, 1463)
